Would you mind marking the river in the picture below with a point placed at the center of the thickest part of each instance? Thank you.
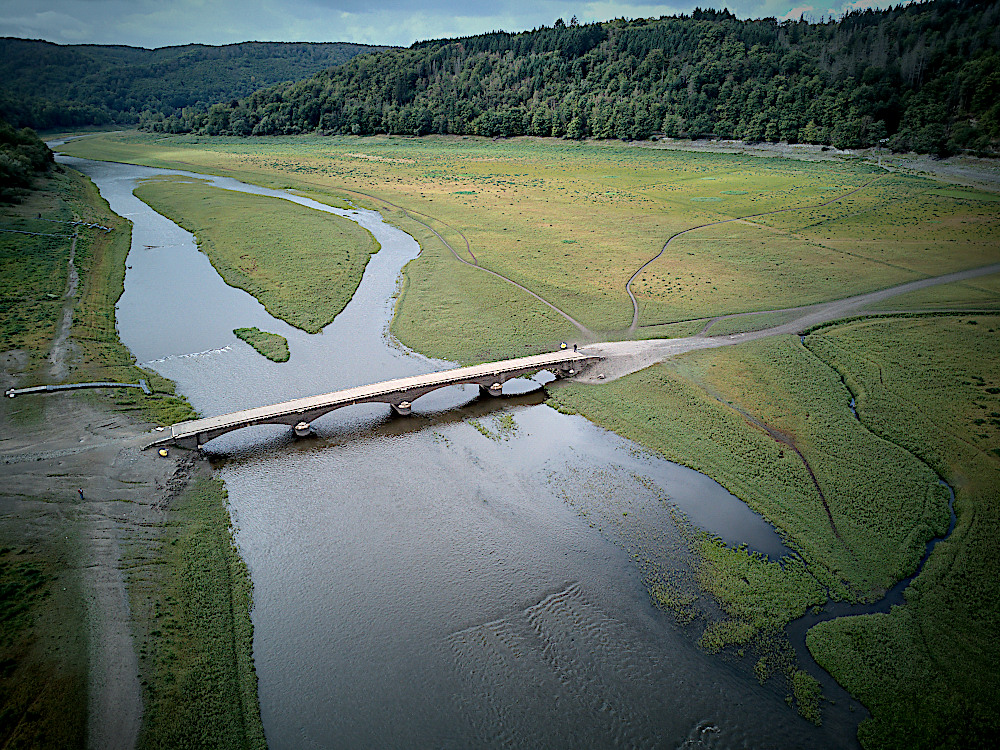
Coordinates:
(438, 579)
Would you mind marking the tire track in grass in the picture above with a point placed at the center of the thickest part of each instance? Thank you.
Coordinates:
(671, 238)
(787, 440)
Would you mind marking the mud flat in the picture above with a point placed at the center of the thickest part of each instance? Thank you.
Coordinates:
(74, 444)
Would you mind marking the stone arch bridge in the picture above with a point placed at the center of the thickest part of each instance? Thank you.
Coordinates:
(399, 394)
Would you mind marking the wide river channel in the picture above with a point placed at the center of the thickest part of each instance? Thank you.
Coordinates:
(456, 578)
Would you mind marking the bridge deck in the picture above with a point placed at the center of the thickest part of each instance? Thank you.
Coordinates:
(198, 431)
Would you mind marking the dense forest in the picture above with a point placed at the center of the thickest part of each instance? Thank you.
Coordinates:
(924, 77)
(45, 85)
(23, 157)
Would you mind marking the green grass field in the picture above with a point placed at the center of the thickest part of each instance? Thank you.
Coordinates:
(752, 322)
(33, 285)
(771, 423)
(43, 642)
(33, 267)
(302, 264)
(929, 671)
(271, 345)
(978, 294)
(200, 688)
(572, 222)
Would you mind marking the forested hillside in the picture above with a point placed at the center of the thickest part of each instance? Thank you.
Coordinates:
(23, 157)
(45, 85)
(925, 76)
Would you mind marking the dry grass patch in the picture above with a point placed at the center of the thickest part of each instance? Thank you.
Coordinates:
(573, 221)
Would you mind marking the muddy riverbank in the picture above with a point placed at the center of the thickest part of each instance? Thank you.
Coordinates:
(54, 446)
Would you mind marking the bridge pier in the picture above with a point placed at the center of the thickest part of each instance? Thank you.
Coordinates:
(402, 408)
(493, 389)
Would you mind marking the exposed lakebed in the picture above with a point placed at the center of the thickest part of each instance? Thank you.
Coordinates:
(430, 580)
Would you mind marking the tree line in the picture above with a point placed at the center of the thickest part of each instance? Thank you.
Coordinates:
(46, 86)
(922, 77)
(23, 157)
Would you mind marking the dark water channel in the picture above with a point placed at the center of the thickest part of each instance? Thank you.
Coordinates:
(417, 582)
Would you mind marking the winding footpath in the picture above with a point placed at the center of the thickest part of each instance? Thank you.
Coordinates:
(474, 263)
(586, 332)
(671, 238)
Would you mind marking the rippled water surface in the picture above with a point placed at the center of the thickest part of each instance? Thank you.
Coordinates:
(432, 580)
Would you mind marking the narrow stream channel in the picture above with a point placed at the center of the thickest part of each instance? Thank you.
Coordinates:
(419, 581)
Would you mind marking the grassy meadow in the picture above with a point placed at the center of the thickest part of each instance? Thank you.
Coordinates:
(929, 671)
(33, 268)
(195, 636)
(772, 424)
(573, 221)
(976, 294)
(43, 625)
(33, 277)
(271, 345)
(302, 264)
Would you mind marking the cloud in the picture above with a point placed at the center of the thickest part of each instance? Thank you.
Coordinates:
(795, 13)
(157, 23)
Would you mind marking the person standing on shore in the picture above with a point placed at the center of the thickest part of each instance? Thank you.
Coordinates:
(81, 495)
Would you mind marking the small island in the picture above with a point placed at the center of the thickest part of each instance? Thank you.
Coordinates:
(271, 345)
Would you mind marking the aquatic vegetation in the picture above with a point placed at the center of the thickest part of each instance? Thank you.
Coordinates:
(807, 693)
(302, 264)
(503, 427)
(759, 596)
(271, 345)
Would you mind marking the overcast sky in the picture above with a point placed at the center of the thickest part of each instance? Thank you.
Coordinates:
(160, 23)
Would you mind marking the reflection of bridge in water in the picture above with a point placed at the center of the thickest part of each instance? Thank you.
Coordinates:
(399, 394)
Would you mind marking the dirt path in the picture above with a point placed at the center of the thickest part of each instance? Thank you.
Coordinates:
(625, 357)
(474, 263)
(671, 238)
(60, 346)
